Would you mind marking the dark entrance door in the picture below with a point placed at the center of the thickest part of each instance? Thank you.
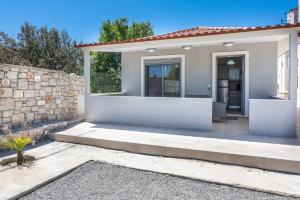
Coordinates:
(230, 83)
(235, 88)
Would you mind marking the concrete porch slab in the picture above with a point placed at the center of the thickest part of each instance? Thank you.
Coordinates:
(265, 153)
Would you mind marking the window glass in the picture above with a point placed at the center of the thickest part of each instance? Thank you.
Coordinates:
(154, 80)
(171, 80)
(162, 80)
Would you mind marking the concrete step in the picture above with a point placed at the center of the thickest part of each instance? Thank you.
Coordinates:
(161, 142)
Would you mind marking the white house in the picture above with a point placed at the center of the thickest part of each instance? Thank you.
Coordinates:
(176, 80)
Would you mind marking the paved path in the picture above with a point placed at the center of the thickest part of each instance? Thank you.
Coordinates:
(104, 181)
(56, 158)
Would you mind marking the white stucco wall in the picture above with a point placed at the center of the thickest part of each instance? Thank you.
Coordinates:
(181, 113)
(283, 46)
(198, 68)
(272, 117)
(80, 105)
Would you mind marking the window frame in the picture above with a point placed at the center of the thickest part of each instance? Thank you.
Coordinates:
(182, 72)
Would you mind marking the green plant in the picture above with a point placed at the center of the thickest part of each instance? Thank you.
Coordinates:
(16, 143)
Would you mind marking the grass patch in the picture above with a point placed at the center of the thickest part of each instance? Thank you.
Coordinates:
(27, 159)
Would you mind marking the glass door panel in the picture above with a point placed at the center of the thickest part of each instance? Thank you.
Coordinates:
(154, 80)
(162, 80)
(235, 87)
(234, 73)
(171, 80)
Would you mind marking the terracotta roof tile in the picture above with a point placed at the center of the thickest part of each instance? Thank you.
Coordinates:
(194, 32)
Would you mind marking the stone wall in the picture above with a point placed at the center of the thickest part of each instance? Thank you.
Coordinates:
(36, 95)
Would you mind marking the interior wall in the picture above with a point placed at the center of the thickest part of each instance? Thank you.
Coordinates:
(198, 68)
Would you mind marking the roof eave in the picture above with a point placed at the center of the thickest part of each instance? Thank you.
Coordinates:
(231, 32)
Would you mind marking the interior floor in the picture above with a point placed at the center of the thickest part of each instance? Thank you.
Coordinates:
(233, 112)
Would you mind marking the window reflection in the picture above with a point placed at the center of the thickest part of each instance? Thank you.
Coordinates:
(163, 80)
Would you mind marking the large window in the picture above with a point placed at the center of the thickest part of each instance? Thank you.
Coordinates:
(162, 80)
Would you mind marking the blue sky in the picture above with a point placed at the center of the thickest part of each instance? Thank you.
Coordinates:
(82, 18)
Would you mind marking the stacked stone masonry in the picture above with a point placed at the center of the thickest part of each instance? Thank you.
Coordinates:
(36, 95)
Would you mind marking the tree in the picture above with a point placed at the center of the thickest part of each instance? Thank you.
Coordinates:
(29, 46)
(50, 49)
(8, 49)
(42, 47)
(110, 63)
(138, 30)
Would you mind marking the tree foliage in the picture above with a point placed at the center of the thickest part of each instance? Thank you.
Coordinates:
(109, 63)
(54, 49)
(8, 49)
(41, 47)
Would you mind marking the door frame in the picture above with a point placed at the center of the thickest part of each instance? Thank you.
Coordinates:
(215, 56)
(182, 71)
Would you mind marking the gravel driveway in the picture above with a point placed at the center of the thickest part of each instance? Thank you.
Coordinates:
(95, 180)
